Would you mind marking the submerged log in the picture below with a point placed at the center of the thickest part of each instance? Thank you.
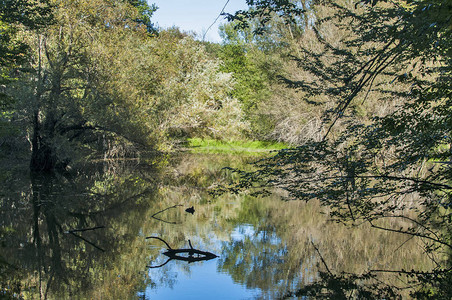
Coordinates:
(201, 255)
(193, 255)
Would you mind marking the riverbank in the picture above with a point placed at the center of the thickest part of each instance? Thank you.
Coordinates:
(198, 145)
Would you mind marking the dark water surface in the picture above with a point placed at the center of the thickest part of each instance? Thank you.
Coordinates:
(83, 236)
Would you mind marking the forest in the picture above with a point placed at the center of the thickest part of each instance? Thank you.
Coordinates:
(358, 92)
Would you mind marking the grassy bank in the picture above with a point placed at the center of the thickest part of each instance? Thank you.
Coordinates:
(216, 146)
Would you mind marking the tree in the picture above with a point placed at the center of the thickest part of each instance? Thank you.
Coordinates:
(145, 14)
(193, 94)
(32, 14)
(396, 164)
(75, 90)
(249, 68)
(278, 112)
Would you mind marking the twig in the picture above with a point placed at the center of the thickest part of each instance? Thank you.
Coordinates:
(167, 261)
(155, 237)
(222, 11)
(400, 246)
(381, 65)
(85, 240)
(174, 206)
(321, 257)
(415, 222)
(84, 229)
(410, 233)
(154, 215)
(169, 222)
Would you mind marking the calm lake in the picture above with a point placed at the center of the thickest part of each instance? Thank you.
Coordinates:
(83, 235)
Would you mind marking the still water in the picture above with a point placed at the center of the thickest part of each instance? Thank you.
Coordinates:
(83, 235)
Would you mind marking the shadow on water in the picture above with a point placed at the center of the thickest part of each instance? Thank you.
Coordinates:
(83, 235)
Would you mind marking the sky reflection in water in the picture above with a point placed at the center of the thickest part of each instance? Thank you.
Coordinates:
(264, 244)
(204, 280)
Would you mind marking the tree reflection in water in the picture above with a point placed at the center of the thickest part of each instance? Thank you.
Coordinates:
(291, 250)
(264, 244)
(61, 233)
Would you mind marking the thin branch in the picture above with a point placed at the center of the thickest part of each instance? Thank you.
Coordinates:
(410, 233)
(371, 61)
(100, 128)
(321, 257)
(167, 261)
(401, 245)
(361, 83)
(439, 185)
(155, 237)
(412, 272)
(414, 221)
(174, 206)
(84, 229)
(219, 15)
(164, 221)
(154, 215)
(87, 241)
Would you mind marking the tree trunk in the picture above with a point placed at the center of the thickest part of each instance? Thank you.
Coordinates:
(43, 158)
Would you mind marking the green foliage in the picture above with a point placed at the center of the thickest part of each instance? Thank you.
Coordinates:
(75, 90)
(216, 146)
(251, 81)
(193, 97)
(278, 112)
(264, 11)
(32, 14)
(254, 68)
(95, 80)
(397, 164)
(16, 13)
(145, 14)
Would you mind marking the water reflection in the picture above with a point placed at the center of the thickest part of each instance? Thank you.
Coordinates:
(271, 248)
(84, 235)
(189, 255)
(63, 235)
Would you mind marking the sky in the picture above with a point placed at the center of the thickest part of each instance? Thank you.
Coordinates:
(194, 15)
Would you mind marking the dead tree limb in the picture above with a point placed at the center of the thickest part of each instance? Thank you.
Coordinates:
(154, 215)
(177, 254)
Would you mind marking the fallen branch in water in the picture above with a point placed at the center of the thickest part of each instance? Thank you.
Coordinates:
(87, 241)
(154, 215)
(176, 253)
(155, 237)
(84, 229)
(321, 257)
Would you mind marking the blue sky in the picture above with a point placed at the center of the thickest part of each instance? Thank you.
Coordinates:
(194, 15)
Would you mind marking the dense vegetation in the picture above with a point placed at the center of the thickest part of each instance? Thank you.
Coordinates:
(381, 73)
(361, 91)
(95, 77)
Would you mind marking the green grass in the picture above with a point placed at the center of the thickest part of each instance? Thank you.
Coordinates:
(216, 146)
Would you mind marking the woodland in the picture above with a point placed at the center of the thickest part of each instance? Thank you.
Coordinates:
(359, 91)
